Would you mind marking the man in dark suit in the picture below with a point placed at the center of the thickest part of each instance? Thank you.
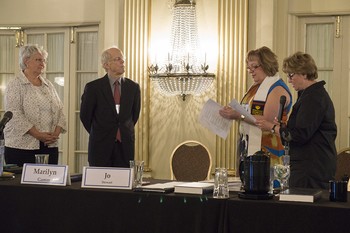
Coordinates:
(109, 111)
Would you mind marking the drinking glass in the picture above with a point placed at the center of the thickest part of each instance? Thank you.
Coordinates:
(138, 172)
(282, 173)
(221, 189)
(42, 158)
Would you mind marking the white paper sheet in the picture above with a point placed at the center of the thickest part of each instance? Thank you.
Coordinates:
(236, 106)
(255, 134)
(211, 119)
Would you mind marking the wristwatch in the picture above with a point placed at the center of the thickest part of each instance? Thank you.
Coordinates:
(273, 129)
(242, 117)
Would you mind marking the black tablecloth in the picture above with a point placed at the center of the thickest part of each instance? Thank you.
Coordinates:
(46, 209)
(273, 216)
(72, 209)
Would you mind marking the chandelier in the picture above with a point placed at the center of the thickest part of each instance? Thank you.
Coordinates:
(182, 73)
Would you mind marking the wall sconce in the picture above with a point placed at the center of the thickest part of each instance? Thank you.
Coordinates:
(183, 74)
(18, 35)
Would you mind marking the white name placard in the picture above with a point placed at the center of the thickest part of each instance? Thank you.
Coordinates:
(45, 174)
(107, 177)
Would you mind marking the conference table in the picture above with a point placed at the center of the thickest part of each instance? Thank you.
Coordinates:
(73, 209)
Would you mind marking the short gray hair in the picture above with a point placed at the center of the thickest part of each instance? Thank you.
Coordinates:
(106, 55)
(26, 51)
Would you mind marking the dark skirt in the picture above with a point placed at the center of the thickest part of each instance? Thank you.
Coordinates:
(21, 156)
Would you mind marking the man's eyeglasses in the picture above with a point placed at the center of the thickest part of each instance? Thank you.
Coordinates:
(40, 60)
(252, 68)
(290, 75)
(118, 59)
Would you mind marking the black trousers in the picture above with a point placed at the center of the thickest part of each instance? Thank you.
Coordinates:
(117, 157)
(20, 156)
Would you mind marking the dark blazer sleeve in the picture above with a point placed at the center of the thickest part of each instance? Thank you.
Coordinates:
(130, 101)
(136, 105)
(97, 109)
(130, 105)
(88, 101)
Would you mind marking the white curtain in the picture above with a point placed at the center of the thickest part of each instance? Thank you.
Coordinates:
(55, 62)
(86, 71)
(7, 64)
(321, 36)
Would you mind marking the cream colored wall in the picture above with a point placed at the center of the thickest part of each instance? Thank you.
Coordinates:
(262, 17)
(49, 12)
(319, 6)
(112, 26)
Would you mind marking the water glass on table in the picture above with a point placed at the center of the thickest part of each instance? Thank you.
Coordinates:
(138, 172)
(221, 189)
(42, 158)
(282, 174)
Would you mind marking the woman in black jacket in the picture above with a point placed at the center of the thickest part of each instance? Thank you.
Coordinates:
(311, 128)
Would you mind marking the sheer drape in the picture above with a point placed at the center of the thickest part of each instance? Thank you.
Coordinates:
(321, 36)
(7, 64)
(86, 71)
(38, 39)
(55, 62)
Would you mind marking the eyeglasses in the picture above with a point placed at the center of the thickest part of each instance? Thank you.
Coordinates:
(290, 76)
(118, 59)
(40, 60)
(252, 68)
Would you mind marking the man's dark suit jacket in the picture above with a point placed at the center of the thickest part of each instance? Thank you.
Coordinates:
(99, 117)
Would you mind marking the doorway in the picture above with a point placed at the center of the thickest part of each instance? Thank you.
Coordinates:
(326, 39)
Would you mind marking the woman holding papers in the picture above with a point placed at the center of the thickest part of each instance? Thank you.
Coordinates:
(311, 128)
(262, 100)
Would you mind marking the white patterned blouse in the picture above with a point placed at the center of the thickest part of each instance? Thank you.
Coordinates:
(38, 106)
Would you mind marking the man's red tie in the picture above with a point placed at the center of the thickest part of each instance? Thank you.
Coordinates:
(117, 101)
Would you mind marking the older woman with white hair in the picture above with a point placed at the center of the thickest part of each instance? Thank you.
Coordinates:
(38, 117)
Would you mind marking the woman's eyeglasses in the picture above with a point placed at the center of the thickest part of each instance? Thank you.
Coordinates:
(290, 75)
(252, 68)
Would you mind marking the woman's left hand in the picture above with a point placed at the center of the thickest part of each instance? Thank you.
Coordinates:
(264, 124)
(229, 113)
(51, 139)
